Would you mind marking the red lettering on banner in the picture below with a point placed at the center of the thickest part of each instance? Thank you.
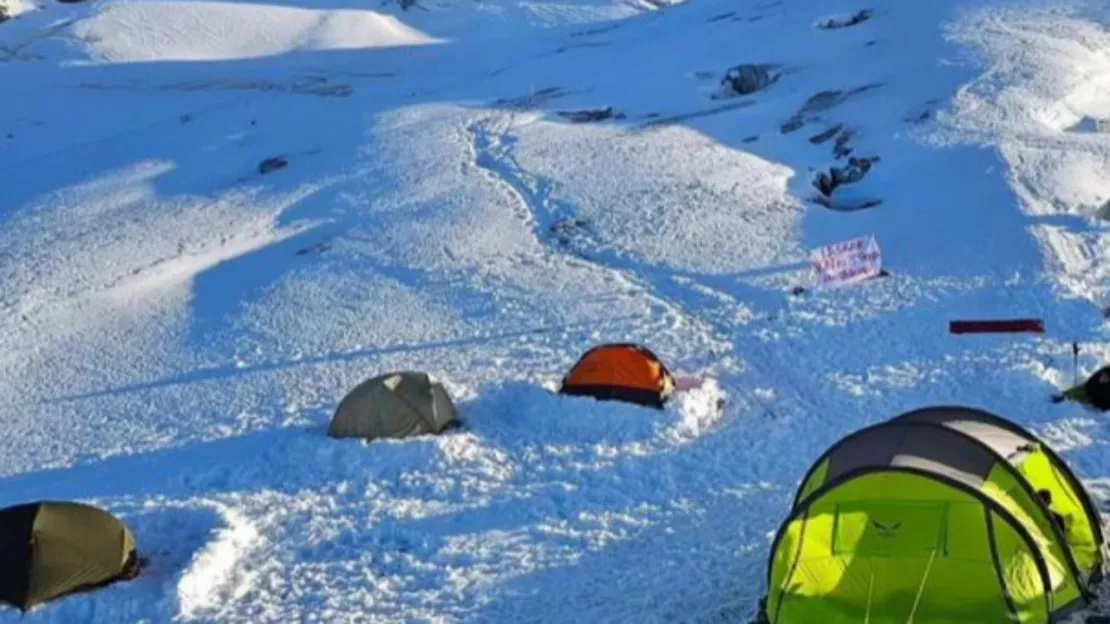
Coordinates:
(847, 260)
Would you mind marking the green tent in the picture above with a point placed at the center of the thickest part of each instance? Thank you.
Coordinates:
(49, 549)
(1094, 392)
(394, 405)
(943, 515)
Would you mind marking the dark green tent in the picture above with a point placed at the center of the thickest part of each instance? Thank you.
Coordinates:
(49, 549)
(1094, 392)
(394, 405)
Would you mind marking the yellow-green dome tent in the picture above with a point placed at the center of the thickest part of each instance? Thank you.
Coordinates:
(938, 516)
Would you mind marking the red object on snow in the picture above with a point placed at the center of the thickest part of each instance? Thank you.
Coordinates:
(997, 326)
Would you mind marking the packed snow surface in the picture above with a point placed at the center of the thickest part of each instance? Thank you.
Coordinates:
(177, 327)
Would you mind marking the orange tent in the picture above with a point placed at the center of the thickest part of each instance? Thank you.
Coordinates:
(620, 372)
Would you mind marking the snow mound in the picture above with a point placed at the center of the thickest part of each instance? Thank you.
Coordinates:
(161, 31)
(14, 8)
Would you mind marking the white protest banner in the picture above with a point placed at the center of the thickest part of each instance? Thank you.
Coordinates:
(847, 261)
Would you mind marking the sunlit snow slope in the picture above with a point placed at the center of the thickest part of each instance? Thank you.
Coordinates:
(177, 329)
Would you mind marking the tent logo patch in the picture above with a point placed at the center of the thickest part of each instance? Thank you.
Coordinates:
(886, 530)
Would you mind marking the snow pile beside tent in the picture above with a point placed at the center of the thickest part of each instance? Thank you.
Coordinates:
(14, 8)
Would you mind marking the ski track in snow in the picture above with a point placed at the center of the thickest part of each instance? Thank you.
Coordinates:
(684, 297)
(177, 329)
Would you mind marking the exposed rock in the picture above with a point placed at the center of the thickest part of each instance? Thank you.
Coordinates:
(920, 117)
(822, 101)
(4, 15)
(833, 23)
(749, 78)
(585, 116)
(825, 100)
(567, 227)
(840, 147)
(585, 44)
(752, 139)
(856, 169)
(1091, 124)
(318, 248)
(567, 231)
(791, 125)
(1103, 211)
(852, 205)
(272, 164)
(818, 139)
(683, 117)
(533, 98)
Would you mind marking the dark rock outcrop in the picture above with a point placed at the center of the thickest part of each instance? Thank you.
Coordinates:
(749, 78)
(854, 171)
(272, 164)
(591, 115)
(862, 16)
(820, 138)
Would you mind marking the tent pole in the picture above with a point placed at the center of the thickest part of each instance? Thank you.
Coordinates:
(921, 589)
(1075, 363)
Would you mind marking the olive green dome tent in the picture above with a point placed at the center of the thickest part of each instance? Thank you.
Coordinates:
(50, 549)
(938, 516)
(394, 405)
